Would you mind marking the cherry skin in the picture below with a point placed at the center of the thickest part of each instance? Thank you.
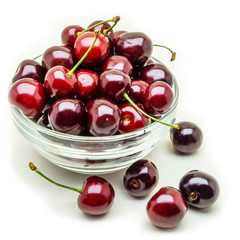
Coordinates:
(58, 55)
(135, 46)
(28, 95)
(167, 207)
(117, 62)
(141, 178)
(29, 69)
(200, 189)
(103, 117)
(112, 85)
(98, 53)
(131, 119)
(158, 98)
(69, 35)
(58, 84)
(87, 84)
(156, 72)
(188, 138)
(68, 116)
(116, 34)
(97, 196)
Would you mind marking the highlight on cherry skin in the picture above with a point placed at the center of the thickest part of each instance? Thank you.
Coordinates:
(96, 196)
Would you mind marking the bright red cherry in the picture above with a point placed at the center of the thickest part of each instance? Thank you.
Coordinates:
(28, 95)
(58, 84)
(131, 119)
(103, 117)
(167, 207)
(69, 35)
(98, 53)
(68, 116)
(158, 98)
(118, 62)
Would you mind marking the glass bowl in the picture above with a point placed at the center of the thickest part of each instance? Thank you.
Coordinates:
(90, 154)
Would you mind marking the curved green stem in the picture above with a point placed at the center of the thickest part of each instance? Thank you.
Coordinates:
(106, 31)
(125, 95)
(172, 52)
(34, 168)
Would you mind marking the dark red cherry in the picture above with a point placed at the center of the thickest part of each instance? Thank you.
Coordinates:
(98, 53)
(116, 34)
(199, 188)
(68, 116)
(87, 84)
(58, 55)
(103, 117)
(136, 46)
(141, 178)
(58, 84)
(97, 196)
(167, 207)
(28, 95)
(137, 91)
(158, 98)
(117, 62)
(112, 85)
(156, 72)
(69, 35)
(188, 138)
(29, 69)
(131, 119)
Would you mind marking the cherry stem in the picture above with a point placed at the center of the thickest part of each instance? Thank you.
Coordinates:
(97, 24)
(172, 52)
(115, 20)
(125, 95)
(96, 34)
(35, 169)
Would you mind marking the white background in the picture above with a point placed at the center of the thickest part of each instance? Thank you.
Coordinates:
(205, 35)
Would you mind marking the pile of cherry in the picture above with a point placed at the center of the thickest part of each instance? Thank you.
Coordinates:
(102, 82)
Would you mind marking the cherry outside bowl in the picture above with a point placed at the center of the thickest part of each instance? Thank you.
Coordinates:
(90, 154)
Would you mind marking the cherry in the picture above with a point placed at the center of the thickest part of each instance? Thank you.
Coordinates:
(69, 35)
(117, 62)
(113, 83)
(116, 34)
(58, 55)
(68, 116)
(28, 95)
(199, 188)
(58, 84)
(96, 196)
(141, 178)
(29, 69)
(87, 84)
(166, 208)
(131, 119)
(155, 72)
(103, 117)
(158, 98)
(135, 46)
(188, 138)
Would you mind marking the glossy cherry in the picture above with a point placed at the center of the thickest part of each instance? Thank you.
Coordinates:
(188, 138)
(155, 72)
(112, 85)
(136, 46)
(167, 207)
(131, 119)
(58, 55)
(69, 35)
(96, 196)
(200, 189)
(29, 69)
(141, 178)
(158, 98)
(58, 84)
(116, 34)
(67, 115)
(103, 117)
(28, 95)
